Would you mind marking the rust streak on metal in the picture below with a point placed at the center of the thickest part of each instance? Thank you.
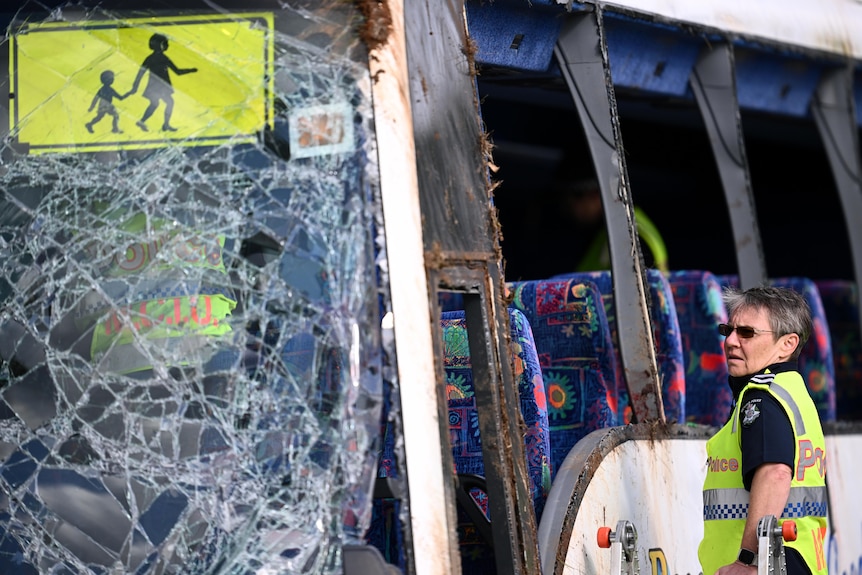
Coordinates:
(437, 258)
(470, 50)
(377, 22)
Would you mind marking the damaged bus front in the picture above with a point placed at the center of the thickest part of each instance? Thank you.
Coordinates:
(191, 287)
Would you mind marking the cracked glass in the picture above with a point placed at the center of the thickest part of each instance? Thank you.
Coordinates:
(191, 288)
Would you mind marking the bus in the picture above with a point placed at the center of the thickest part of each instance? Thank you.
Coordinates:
(282, 281)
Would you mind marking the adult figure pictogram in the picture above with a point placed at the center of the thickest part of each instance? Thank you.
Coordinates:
(159, 86)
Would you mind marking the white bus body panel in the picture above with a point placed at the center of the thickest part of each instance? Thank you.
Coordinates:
(833, 26)
(656, 485)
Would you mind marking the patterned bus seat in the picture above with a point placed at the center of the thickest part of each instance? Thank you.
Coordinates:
(466, 442)
(841, 303)
(476, 553)
(699, 308)
(669, 353)
(576, 356)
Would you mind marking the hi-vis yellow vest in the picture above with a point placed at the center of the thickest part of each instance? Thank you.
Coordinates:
(598, 257)
(725, 500)
(160, 301)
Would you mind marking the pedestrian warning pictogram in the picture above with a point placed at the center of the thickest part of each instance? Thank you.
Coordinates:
(141, 83)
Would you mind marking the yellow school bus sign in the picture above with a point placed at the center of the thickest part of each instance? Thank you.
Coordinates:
(141, 83)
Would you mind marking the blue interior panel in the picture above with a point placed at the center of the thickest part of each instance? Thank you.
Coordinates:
(520, 38)
(775, 83)
(650, 57)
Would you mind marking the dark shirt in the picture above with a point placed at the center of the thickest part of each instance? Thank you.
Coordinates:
(768, 437)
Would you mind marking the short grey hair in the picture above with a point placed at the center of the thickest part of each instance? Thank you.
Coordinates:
(787, 310)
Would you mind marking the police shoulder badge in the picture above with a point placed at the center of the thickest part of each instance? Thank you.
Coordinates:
(750, 412)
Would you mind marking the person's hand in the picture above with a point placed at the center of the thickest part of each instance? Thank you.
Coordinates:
(737, 568)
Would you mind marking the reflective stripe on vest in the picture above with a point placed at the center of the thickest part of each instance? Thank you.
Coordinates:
(733, 503)
(769, 379)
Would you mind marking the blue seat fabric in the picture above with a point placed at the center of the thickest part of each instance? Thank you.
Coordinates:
(699, 308)
(576, 357)
(841, 304)
(476, 554)
(669, 352)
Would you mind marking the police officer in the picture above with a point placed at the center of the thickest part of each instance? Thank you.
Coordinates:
(770, 456)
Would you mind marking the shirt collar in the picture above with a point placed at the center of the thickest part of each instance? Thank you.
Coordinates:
(738, 383)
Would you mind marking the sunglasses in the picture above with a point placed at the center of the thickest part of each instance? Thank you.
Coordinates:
(743, 331)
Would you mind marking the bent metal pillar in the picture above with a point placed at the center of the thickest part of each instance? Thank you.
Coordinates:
(835, 115)
(581, 51)
(714, 85)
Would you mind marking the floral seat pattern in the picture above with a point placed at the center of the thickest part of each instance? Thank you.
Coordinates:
(476, 554)
(463, 417)
(841, 304)
(669, 354)
(576, 356)
(699, 308)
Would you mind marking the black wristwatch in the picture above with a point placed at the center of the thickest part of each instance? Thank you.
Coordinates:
(747, 557)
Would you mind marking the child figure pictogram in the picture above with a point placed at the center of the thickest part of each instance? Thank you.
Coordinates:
(159, 86)
(105, 98)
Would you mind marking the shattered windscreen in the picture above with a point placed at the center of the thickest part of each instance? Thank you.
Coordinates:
(190, 300)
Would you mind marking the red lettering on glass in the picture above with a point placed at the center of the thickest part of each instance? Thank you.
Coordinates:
(112, 324)
(145, 321)
(208, 309)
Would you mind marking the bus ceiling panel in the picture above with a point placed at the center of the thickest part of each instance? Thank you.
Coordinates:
(514, 35)
(649, 57)
(657, 54)
(658, 58)
(775, 83)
